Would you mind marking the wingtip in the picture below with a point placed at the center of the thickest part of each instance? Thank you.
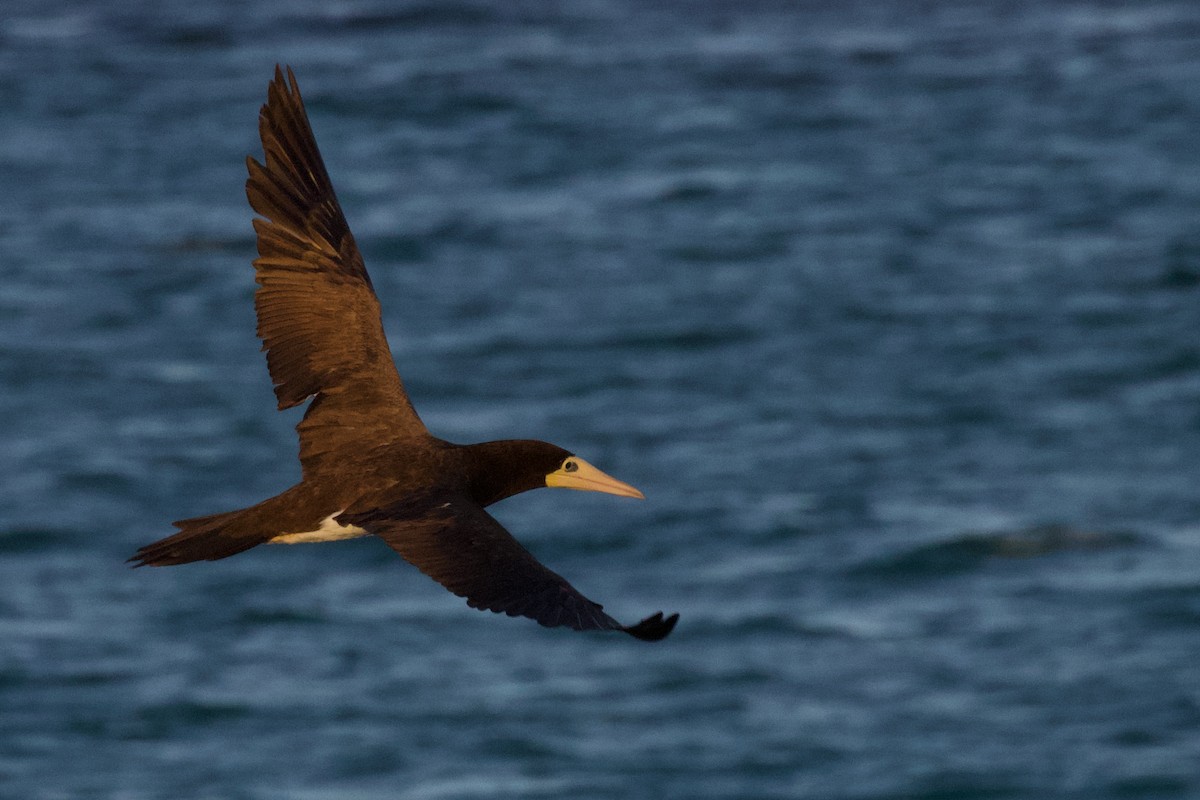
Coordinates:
(282, 85)
(653, 628)
(285, 78)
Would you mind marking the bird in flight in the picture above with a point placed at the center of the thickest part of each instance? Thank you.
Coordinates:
(369, 466)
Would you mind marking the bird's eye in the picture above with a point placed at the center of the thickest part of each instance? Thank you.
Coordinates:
(570, 466)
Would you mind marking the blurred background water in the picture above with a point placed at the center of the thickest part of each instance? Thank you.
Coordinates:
(891, 309)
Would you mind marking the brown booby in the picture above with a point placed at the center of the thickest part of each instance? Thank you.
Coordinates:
(368, 463)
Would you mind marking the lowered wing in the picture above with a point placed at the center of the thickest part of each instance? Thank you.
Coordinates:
(458, 544)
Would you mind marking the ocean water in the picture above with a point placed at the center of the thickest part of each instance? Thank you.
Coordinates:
(891, 309)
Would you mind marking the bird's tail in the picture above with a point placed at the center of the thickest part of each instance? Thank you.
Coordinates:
(205, 539)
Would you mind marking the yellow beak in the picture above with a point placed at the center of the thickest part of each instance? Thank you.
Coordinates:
(589, 479)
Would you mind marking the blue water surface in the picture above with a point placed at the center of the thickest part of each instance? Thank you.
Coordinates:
(892, 310)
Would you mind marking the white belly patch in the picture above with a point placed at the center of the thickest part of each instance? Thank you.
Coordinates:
(329, 531)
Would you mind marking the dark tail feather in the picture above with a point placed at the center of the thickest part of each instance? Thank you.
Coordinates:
(203, 539)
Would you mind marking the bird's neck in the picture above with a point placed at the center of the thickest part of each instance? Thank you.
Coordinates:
(496, 470)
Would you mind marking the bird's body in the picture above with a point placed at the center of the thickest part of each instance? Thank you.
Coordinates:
(369, 465)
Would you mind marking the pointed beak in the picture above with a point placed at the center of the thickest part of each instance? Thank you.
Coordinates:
(589, 479)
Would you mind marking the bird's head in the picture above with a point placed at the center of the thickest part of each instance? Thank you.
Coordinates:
(502, 469)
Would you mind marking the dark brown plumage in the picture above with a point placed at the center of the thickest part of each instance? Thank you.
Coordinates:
(368, 464)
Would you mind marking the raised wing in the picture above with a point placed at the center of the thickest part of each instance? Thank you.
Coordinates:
(318, 316)
(462, 547)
